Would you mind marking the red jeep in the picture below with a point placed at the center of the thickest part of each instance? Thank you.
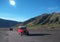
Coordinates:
(22, 30)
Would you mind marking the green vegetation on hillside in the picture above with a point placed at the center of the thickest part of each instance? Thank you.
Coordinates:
(45, 20)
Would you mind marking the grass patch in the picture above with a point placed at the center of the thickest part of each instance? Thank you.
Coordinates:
(45, 26)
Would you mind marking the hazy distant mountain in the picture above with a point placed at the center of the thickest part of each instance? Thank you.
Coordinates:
(53, 18)
(7, 23)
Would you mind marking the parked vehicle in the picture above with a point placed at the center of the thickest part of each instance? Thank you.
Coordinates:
(22, 30)
(11, 29)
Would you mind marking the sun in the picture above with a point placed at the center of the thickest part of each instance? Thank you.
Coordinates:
(12, 2)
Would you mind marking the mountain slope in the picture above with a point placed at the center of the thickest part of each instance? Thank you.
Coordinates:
(7, 23)
(44, 19)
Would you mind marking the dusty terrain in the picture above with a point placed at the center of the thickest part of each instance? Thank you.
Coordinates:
(36, 35)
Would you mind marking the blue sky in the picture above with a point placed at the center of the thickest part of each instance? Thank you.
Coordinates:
(22, 10)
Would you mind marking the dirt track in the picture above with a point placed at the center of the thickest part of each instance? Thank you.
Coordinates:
(42, 35)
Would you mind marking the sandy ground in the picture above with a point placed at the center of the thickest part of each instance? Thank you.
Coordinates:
(38, 35)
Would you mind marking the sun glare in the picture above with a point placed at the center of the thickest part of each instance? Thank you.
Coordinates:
(12, 2)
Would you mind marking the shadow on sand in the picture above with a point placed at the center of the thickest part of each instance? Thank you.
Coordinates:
(38, 34)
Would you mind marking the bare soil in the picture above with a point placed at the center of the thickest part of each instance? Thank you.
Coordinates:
(36, 35)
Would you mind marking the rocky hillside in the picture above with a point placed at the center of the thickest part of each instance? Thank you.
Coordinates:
(44, 19)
